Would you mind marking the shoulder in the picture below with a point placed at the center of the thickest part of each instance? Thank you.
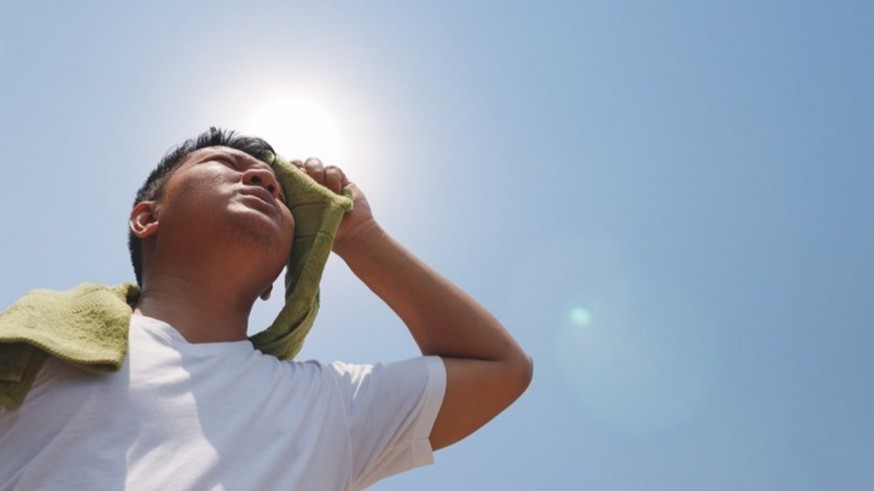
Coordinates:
(423, 369)
(379, 383)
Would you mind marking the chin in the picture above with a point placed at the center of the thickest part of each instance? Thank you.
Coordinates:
(264, 238)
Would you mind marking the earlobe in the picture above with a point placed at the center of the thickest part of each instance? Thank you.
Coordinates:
(266, 293)
(143, 220)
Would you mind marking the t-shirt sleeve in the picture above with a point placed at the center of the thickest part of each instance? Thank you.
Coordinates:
(390, 411)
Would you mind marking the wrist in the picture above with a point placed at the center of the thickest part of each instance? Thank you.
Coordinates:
(357, 236)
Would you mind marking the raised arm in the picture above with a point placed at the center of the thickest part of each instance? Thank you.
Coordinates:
(485, 367)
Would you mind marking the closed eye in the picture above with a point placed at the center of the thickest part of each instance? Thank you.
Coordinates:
(232, 163)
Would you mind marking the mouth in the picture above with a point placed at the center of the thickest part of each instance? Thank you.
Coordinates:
(261, 198)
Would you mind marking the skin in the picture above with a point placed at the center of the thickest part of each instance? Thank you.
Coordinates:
(210, 251)
(211, 247)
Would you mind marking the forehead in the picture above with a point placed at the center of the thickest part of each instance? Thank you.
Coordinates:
(242, 159)
(239, 156)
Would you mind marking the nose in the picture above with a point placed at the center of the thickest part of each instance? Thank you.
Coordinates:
(263, 178)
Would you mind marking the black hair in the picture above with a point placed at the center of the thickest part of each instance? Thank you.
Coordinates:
(154, 185)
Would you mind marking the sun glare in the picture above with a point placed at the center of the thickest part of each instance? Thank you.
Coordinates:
(298, 128)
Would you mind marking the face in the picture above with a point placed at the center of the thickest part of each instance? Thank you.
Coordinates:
(229, 198)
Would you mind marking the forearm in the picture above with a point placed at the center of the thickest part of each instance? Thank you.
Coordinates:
(442, 318)
(485, 369)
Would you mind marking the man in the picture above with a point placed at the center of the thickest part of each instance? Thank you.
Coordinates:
(195, 406)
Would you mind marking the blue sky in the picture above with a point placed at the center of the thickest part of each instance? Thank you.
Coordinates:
(668, 203)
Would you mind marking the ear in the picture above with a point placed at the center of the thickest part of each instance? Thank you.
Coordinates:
(143, 221)
(266, 293)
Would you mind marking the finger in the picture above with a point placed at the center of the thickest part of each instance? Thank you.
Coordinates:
(315, 169)
(334, 179)
(313, 163)
(298, 163)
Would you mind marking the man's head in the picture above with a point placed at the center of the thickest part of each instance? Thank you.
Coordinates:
(226, 166)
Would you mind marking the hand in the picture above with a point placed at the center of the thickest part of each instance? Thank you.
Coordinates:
(333, 178)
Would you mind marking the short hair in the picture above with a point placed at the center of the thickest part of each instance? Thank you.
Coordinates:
(154, 185)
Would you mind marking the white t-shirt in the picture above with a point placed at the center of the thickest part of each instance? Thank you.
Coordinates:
(219, 416)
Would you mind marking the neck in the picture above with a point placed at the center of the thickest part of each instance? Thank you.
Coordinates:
(200, 311)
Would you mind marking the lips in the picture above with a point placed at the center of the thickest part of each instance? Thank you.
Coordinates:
(262, 196)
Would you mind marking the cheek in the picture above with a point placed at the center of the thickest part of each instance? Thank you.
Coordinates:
(288, 224)
(199, 187)
(200, 180)
(194, 195)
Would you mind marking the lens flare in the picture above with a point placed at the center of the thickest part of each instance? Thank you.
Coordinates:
(648, 365)
(580, 316)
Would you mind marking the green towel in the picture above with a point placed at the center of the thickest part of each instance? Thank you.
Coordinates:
(87, 326)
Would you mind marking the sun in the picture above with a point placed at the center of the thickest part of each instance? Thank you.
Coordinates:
(298, 128)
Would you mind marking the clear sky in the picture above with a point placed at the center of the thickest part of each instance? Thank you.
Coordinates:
(668, 203)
